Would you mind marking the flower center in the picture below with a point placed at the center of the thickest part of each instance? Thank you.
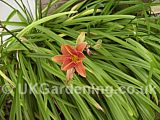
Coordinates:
(74, 58)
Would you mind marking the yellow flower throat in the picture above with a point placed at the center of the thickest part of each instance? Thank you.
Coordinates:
(74, 58)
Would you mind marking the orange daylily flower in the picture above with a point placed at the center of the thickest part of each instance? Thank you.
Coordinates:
(71, 59)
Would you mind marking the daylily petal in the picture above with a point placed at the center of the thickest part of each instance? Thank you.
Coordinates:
(80, 55)
(68, 64)
(80, 38)
(80, 69)
(70, 73)
(68, 50)
(59, 58)
(80, 47)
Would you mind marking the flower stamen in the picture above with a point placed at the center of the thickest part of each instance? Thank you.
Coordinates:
(74, 58)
